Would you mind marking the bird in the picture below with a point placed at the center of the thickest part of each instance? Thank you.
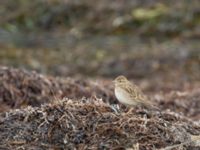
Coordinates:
(130, 94)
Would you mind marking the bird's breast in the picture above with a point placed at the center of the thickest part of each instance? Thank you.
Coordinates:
(124, 97)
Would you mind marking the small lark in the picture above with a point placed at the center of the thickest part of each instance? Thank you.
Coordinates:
(129, 94)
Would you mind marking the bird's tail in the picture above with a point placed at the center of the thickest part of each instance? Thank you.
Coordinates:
(151, 105)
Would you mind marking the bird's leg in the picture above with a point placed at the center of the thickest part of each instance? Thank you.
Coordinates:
(115, 108)
(130, 110)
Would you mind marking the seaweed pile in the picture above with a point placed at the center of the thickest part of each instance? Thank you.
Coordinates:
(44, 112)
(92, 124)
(187, 103)
(20, 88)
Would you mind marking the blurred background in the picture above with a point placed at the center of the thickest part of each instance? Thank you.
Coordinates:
(148, 39)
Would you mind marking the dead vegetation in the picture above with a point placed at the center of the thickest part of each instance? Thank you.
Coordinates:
(93, 122)
(20, 88)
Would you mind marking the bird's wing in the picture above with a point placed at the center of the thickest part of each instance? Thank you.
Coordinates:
(137, 94)
(135, 91)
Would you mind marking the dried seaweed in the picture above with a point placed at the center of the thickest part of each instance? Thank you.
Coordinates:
(187, 103)
(20, 88)
(91, 124)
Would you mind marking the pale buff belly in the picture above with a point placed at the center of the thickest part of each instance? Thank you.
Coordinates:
(124, 98)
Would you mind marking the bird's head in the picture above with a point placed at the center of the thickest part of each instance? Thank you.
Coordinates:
(120, 80)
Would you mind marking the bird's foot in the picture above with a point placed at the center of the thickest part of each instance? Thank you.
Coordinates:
(143, 112)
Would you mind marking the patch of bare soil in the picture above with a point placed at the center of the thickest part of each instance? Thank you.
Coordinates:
(89, 117)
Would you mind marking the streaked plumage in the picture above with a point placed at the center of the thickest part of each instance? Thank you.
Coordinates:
(129, 94)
